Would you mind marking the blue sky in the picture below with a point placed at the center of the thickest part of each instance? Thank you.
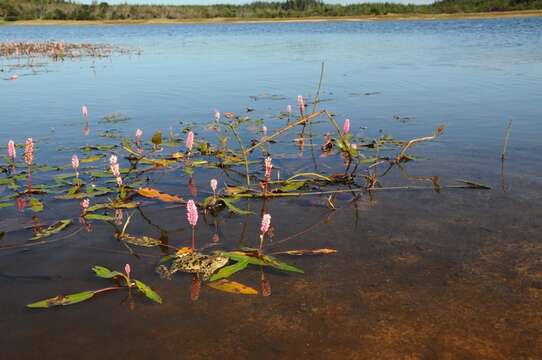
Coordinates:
(178, 2)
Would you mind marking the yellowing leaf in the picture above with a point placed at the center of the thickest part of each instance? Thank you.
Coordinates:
(184, 250)
(310, 252)
(155, 194)
(232, 287)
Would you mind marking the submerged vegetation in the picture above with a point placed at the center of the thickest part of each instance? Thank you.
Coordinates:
(122, 174)
(12, 10)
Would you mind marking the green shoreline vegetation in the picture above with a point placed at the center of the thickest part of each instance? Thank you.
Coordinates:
(62, 10)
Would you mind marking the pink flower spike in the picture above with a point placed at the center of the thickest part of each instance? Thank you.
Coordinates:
(127, 269)
(217, 116)
(264, 130)
(266, 222)
(214, 184)
(12, 153)
(113, 159)
(289, 110)
(301, 104)
(85, 204)
(138, 135)
(192, 212)
(268, 168)
(346, 126)
(29, 152)
(75, 162)
(190, 141)
(14, 77)
(84, 111)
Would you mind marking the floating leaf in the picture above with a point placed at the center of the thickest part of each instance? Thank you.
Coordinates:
(234, 208)
(233, 287)
(99, 217)
(263, 261)
(277, 264)
(105, 273)
(234, 190)
(155, 194)
(62, 300)
(89, 148)
(145, 241)
(5, 204)
(36, 205)
(53, 229)
(241, 256)
(148, 292)
(290, 186)
(92, 158)
(228, 271)
(310, 252)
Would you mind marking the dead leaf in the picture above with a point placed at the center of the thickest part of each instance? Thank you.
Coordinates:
(155, 194)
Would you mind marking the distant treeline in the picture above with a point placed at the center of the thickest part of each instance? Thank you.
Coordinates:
(12, 10)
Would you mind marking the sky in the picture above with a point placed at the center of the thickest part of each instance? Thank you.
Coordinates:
(202, 2)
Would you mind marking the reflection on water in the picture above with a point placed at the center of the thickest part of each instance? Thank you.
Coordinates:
(418, 274)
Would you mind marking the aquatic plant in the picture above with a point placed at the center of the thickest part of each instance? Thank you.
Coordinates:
(123, 281)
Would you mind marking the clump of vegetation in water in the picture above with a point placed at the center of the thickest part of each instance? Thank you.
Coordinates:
(122, 183)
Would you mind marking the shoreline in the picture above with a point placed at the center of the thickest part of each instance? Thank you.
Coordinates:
(389, 17)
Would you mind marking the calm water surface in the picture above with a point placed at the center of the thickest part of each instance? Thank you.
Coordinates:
(418, 274)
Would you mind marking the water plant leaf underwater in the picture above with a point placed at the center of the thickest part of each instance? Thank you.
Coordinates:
(233, 287)
(53, 229)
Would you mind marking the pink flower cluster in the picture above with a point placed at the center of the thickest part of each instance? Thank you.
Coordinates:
(190, 141)
(266, 223)
(12, 153)
(268, 168)
(301, 104)
(346, 126)
(192, 212)
(75, 163)
(214, 184)
(115, 169)
(29, 152)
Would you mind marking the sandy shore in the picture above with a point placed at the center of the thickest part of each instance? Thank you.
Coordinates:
(389, 17)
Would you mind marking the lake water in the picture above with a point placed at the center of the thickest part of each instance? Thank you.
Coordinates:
(419, 274)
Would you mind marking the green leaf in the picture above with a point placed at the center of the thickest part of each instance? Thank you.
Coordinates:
(53, 229)
(241, 256)
(5, 204)
(62, 300)
(99, 217)
(264, 261)
(105, 273)
(94, 158)
(234, 208)
(148, 292)
(229, 270)
(290, 186)
(36, 205)
(277, 264)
